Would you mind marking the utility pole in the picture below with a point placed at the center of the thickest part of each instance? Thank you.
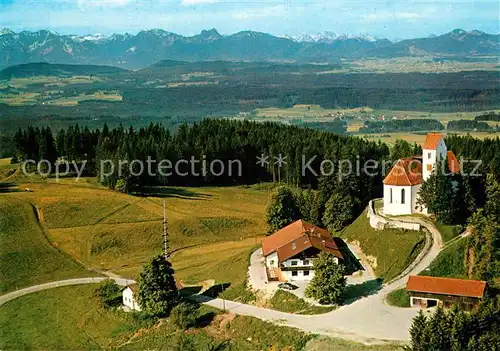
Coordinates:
(165, 233)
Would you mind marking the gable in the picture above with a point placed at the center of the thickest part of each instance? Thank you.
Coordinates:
(406, 172)
(432, 141)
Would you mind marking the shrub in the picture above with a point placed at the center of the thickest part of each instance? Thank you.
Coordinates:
(107, 292)
(184, 315)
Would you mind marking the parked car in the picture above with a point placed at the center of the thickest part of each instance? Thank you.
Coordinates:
(287, 286)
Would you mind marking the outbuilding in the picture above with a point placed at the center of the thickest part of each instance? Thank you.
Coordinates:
(129, 295)
(436, 291)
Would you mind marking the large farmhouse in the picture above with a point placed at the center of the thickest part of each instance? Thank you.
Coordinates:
(402, 184)
(434, 291)
(289, 252)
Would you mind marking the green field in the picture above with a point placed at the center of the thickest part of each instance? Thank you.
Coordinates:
(211, 230)
(27, 258)
(450, 262)
(389, 251)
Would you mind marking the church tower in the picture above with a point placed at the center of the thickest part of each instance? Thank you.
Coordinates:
(434, 149)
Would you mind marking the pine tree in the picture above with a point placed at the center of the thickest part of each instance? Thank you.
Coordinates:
(418, 340)
(282, 209)
(440, 331)
(328, 284)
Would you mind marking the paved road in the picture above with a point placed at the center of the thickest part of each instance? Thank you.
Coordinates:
(368, 320)
(18, 293)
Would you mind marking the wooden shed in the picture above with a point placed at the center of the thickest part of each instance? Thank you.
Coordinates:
(435, 291)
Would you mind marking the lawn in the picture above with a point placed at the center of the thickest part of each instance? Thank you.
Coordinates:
(399, 298)
(288, 302)
(448, 232)
(389, 251)
(450, 262)
(71, 318)
(27, 258)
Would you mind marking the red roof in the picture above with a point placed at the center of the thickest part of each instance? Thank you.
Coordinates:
(297, 237)
(432, 141)
(453, 163)
(446, 286)
(407, 171)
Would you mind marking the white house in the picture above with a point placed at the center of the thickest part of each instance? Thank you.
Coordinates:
(289, 252)
(402, 184)
(129, 295)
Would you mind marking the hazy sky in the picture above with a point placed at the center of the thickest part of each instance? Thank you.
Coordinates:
(383, 18)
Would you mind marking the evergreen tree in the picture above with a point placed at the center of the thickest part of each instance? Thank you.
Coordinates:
(282, 209)
(440, 331)
(157, 291)
(339, 211)
(438, 195)
(328, 284)
(418, 337)
(401, 149)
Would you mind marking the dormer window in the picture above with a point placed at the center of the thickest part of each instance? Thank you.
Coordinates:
(429, 155)
(294, 246)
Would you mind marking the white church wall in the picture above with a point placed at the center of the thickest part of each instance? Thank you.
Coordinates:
(400, 202)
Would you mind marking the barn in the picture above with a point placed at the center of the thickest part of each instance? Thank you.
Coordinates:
(436, 291)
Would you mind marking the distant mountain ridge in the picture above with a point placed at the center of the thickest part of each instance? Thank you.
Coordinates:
(150, 46)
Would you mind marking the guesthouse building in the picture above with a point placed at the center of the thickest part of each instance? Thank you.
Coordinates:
(289, 253)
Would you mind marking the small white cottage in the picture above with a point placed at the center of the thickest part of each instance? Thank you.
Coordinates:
(129, 295)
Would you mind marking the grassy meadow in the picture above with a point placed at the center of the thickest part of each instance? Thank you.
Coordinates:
(27, 258)
(389, 251)
(450, 262)
(212, 231)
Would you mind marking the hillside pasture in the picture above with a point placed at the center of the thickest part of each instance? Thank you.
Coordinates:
(27, 257)
(107, 230)
(389, 251)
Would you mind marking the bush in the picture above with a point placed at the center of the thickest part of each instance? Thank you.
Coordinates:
(107, 292)
(184, 315)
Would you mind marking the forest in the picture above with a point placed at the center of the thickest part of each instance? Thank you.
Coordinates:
(401, 125)
(465, 124)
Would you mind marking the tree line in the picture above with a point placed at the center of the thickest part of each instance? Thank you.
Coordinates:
(401, 125)
(466, 124)
(211, 139)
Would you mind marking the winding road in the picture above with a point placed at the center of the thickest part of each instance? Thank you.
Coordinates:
(368, 320)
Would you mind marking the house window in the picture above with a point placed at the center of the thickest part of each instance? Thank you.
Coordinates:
(271, 262)
(306, 262)
(294, 263)
(294, 273)
(390, 195)
(402, 196)
(294, 246)
(429, 155)
(306, 272)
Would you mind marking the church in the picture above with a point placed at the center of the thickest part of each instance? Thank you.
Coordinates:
(402, 184)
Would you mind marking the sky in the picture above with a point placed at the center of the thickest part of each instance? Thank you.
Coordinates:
(392, 19)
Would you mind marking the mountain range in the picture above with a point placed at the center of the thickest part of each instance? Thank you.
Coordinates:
(150, 46)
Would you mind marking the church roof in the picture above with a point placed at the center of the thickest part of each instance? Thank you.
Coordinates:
(406, 172)
(432, 141)
(453, 164)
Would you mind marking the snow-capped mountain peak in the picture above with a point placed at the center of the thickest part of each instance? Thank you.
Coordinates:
(328, 37)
